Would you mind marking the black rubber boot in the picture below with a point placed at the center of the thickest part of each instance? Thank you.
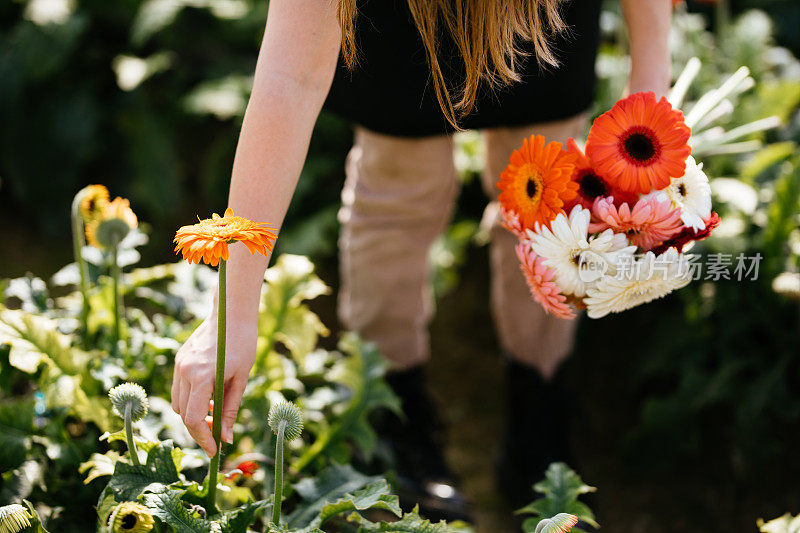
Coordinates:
(536, 432)
(417, 446)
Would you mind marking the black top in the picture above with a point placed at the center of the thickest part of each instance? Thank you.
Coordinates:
(390, 91)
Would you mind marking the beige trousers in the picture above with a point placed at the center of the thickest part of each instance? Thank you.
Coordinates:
(398, 197)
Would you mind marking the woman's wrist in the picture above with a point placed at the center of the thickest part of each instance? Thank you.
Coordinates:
(656, 80)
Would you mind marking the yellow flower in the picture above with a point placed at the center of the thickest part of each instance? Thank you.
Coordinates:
(14, 518)
(208, 240)
(130, 517)
(93, 199)
(114, 221)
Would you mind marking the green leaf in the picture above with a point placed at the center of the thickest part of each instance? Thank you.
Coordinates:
(284, 317)
(167, 505)
(129, 481)
(560, 523)
(373, 496)
(16, 428)
(410, 523)
(99, 465)
(35, 340)
(238, 520)
(362, 373)
(36, 521)
(561, 488)
(332, 484)
(766, 158)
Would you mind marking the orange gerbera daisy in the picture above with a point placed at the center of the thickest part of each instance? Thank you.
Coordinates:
(208, 240)
(592, 186)
(536, 183)
(640, 143)
(93, 198)
(112, 223)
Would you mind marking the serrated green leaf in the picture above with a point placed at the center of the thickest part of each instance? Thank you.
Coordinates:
(283, 315)
(374, 496)
(167, 505)
(561, 489)
(362, 372)
(560, 523)
(129, 481)
(238, 520)
(410, 523)
(329, 486)
(35, 339)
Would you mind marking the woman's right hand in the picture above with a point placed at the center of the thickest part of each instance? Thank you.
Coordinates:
(194, 376)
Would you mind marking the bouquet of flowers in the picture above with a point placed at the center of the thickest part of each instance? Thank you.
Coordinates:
(605, 228)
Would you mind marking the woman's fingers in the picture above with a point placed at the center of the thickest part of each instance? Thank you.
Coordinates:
(194, 417)
(185, 387)
(175, 393)
(234, 390)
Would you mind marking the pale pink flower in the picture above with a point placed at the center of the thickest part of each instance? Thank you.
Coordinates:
(540, 281)
(647, 225)
(510, 221)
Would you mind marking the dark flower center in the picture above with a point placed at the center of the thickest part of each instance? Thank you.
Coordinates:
(592, 186)
(640, 147)
(532, 188)
(129, 521)
(682, 190)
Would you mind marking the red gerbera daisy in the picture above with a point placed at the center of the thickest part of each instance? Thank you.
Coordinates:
(688, 235)
(640, 143)
(592, 186)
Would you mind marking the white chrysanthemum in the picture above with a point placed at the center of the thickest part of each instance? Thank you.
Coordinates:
(578, 260)
(644, 280)
(691, 193)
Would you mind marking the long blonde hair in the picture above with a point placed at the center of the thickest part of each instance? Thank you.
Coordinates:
(487, 34)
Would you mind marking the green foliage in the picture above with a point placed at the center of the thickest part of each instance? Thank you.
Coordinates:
(331, 485)
(129, 481)
(561, 489)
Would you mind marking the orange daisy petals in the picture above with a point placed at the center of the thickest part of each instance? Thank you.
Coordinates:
(208, 240)
(639, 144)
(536, 183)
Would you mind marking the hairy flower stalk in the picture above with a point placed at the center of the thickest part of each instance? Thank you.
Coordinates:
(115, 282)
(130, 402)
(106, 230)
(208, 241)
(80, 210)
(219, 381)
(286, 420)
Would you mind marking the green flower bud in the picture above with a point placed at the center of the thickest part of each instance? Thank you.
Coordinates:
(129, 394)
(291, 414)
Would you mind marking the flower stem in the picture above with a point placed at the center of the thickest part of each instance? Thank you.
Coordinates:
(278, 496)
(115, 283)
(77, 248)
(134, 453)
(219, 386)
